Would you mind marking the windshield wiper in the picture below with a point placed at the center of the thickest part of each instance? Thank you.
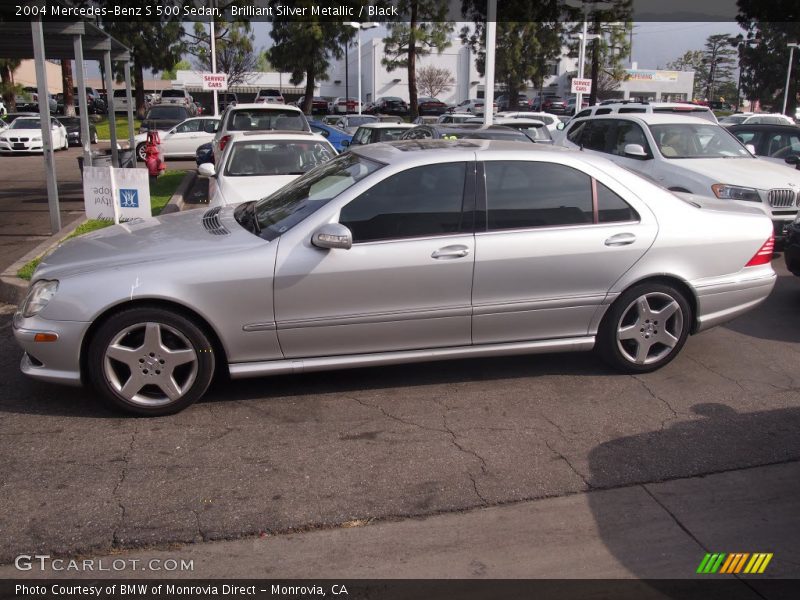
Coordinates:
(245, 215)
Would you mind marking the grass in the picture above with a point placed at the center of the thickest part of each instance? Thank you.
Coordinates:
(104, 129)
(160, 193)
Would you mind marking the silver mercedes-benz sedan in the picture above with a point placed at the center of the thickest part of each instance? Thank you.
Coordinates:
(393, 253)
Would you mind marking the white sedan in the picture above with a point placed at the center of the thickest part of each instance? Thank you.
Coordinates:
(183, 139)
(25, 135)
(256, 164)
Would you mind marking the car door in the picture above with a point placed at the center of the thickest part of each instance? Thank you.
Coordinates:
(183, 139)
(404, 284)
(555, 240)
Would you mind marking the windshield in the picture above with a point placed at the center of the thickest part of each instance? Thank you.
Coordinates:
(172, 113)
(538, 133)
(733, 120)
(173, 94)
(25, 124)
(69, 121)
(355, 121)
(261, 119)
(391, 133)
(687, 140)
(485, 134)
(288, 206)
(276, 157)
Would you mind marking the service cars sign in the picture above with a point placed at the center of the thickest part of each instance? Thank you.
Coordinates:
(581, 86)
(215, 81)
(116, 194)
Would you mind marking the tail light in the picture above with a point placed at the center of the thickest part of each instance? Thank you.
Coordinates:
(764, 254)
(223, 141)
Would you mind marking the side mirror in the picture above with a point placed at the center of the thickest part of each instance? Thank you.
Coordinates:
(561, 125)
(333, 235)
(345, 143)
(792, 159)
(207, 170)
(750, 148)
(635, 151)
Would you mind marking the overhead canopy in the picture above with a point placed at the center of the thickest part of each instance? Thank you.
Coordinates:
(16, 41)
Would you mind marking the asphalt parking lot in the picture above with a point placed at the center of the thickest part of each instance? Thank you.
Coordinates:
(294, 453)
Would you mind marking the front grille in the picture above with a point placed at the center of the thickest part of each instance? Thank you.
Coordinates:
(212, 224)
(781, 198)
(18, 139)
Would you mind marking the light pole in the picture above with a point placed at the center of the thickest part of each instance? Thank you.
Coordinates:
(213, 35)
(491, 35)
(791, 46)
(360, 26)
(584, 37)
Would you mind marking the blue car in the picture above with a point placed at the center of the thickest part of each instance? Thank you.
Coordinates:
(338, 138)
(204, 154)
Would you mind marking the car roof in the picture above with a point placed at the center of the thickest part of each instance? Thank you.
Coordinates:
(764, 127)
(386, 125)
(252, 105)
(411, 151)
(650, 118)
(274, 133)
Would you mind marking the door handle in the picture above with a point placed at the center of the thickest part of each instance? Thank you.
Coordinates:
(457, 251)
(620, 239)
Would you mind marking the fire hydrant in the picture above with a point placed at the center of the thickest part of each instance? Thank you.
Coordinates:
(155, 164)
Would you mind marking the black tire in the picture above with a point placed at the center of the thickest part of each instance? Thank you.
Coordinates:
(178, 336)
(646, 330)
(140, 151)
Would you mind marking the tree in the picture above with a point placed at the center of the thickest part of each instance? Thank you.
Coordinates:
(170, 74)
(66, 85)
(236, 54)
(304, 47)
(692, 60)
(525, 46)
(433, 81)
(764, 58)
(8, 88)
(427, 29)
(720, 60)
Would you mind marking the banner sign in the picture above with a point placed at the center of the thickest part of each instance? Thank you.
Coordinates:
(581, 86)
(644, 75)
(110, 193)
(215, 81)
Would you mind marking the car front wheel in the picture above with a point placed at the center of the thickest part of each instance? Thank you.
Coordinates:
(645, 328)
(150, 361)
(141, 151)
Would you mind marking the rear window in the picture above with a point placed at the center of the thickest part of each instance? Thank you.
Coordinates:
(121, 93)
(173, 94)
(276, 157)
(269, 93)
(261, 119)
(173, 113)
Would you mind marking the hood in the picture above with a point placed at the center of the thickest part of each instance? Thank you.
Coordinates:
(170, 237)
(746, 172)
(236, 190)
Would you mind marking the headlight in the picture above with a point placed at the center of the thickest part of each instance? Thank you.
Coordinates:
(38, 296)
(733, 192)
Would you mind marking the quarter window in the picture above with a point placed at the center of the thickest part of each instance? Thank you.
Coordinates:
(420, 202)
(611, 208)
(536, 194)
(189, 126)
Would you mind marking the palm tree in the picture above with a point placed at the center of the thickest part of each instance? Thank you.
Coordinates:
(9, 89)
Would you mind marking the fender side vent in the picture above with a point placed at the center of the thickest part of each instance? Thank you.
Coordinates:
(212, 224)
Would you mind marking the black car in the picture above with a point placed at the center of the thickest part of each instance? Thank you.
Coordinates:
(73, 127)
(471, 131)
(791, 248)
(430, 106)
(11, 117)
(164, 117)
(505, 102)
(225, 99)
(388, 105)
(781, 142)
(204, 154)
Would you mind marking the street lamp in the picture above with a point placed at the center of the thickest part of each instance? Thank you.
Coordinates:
(360, 26)
(791, 46)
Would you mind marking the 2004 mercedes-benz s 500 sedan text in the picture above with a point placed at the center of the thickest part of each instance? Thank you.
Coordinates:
(401, 252)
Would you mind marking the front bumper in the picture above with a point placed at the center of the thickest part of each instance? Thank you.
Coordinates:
(791, 249)
(20, 147)
(55, 362)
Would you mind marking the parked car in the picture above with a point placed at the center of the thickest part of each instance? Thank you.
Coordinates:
(330, 119)
(551, 104)
(791, 248)
(3, 110)
(11, 117)
(352, 122)
(658, 108)
(390, 119)
(25, 135)
(94, 102)
(572, 101)
(178, 96)
(32, 103)
(198, 108)
(257, 117)
(473, 131)
(388, 105)
(504, 102)
(269, 96)
(164, 117)
(536, 130)
(756, 119)
(430, 106)
(338, 138)
(454, 117)
(426, 120)
(472, 106)
(378, 264)
(256, 164)
(73, 127)
(777, 143)
(226, 99)
(181, 140)
(550, 121)
(121, 100)
(689, 154)
(371, 133)
(318, 104)
(343, 106)
(204, 154)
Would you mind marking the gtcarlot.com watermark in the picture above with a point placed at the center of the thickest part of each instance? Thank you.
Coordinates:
(44, 562)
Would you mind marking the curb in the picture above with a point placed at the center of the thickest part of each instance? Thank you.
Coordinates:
(12, 288)
(176, 202)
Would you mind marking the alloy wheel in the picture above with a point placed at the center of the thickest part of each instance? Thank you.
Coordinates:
(650, 328)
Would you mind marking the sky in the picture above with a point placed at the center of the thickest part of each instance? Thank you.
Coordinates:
(654, 43)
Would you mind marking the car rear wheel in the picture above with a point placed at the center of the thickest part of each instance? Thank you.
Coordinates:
(150, 361)
(141, 151)
(645, 328)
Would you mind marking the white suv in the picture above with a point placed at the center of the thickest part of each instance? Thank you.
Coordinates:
(657, 108)
(688, 154)
(257, 117)
(269, 96)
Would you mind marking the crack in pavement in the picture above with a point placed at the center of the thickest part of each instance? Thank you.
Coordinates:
(115, 494)
(664, 401)
(558, 454)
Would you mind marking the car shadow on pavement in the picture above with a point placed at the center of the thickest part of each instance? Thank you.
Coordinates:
(728, 505)
(778, 317)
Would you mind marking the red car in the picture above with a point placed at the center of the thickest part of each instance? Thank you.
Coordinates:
(430, 106)
(318, 104)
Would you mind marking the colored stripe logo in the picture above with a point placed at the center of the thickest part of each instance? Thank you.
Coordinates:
(733, 563)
